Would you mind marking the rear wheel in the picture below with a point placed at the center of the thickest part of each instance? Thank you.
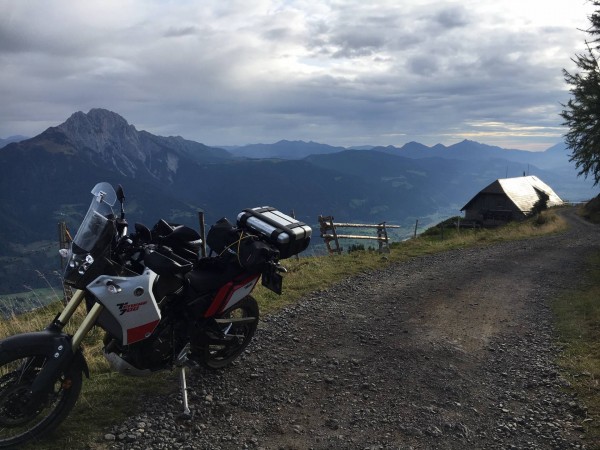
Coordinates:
(238, 334)
(19, 421)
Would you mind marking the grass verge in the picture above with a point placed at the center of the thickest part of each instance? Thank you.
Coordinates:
(578, 323)
(108, 397)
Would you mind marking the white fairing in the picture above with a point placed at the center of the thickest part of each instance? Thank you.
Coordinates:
(240, 293)
(131, 302)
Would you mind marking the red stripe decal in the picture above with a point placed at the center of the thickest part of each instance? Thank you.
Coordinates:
(221, 297)
(141, 332)
(225, 293)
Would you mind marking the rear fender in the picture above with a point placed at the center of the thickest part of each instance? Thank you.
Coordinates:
(56, 346)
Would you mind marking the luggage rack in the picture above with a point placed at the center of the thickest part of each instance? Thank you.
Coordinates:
(329, 234)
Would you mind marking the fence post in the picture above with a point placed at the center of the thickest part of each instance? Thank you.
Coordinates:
(202, 232)
(293, 216)
(335, 237)
(382, 237)
(416, 225)
(326, 223)
(64, 240)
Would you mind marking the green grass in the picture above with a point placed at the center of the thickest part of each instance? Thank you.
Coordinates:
(108, 397)
(578, 323)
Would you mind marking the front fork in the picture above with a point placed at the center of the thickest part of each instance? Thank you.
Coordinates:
(87, 323)
(63, 353)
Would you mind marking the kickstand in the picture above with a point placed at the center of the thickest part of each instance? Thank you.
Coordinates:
(186, 414)
(181, 362)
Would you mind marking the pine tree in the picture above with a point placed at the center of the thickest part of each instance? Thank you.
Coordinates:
(582, 111)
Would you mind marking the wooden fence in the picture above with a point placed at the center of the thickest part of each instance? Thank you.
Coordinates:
(329, 234)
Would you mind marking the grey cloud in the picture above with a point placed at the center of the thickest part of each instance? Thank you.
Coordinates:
(275, 34)
(453, 17)
(349, 36)
(346, 35)
(13, 41)
(423, 65)
(190, 30)
(354, 42)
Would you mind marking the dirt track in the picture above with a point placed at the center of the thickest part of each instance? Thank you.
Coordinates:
(450, 351)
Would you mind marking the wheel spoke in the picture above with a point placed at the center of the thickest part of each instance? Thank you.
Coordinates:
(19, 421)
(239, 332)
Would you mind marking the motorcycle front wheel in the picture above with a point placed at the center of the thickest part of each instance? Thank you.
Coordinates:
(19, 422)
(217, 356)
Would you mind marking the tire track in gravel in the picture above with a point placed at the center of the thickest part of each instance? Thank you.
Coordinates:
(448, 351)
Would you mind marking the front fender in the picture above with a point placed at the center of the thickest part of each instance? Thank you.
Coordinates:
(55, 346)
(37, 342)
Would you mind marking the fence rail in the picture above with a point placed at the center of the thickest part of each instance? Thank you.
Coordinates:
(329, 233)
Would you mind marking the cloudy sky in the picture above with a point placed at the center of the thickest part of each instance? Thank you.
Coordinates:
(341, 72)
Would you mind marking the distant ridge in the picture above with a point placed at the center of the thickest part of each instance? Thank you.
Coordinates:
(556, 157)
(285, 150)
(467, 150)
(11, 139)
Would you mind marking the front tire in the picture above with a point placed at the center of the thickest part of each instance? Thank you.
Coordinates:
(19, 423)
(218, 356)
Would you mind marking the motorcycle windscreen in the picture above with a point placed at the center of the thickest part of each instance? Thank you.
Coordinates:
(92, 240)
(98, 223)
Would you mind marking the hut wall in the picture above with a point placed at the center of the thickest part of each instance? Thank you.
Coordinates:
(492, 208)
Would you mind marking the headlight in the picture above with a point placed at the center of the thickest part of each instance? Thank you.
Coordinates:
(80, 262)
(78, 267)
(87, 262)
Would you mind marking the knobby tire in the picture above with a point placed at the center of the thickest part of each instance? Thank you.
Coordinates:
(215, 357)
(18, 424)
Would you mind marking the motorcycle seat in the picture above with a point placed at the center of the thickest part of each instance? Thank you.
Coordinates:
(209, 277)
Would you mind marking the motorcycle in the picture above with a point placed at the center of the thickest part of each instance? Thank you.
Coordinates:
(161, 305)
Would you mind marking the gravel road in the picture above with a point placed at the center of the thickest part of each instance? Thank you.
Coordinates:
(449, 351)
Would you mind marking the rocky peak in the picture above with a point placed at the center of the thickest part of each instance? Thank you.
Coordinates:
(103, 132)
(106, 139)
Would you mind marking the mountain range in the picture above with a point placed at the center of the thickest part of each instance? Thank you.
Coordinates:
(554, 157)
(10, 139)
(48, 178)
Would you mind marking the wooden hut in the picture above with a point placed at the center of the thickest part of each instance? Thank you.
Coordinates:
(508, 199)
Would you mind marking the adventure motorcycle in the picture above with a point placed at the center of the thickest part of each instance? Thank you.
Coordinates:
(160, 304)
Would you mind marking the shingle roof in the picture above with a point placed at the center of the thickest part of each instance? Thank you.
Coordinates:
(522, 191)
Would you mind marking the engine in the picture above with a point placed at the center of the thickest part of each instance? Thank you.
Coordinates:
(149, 355)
